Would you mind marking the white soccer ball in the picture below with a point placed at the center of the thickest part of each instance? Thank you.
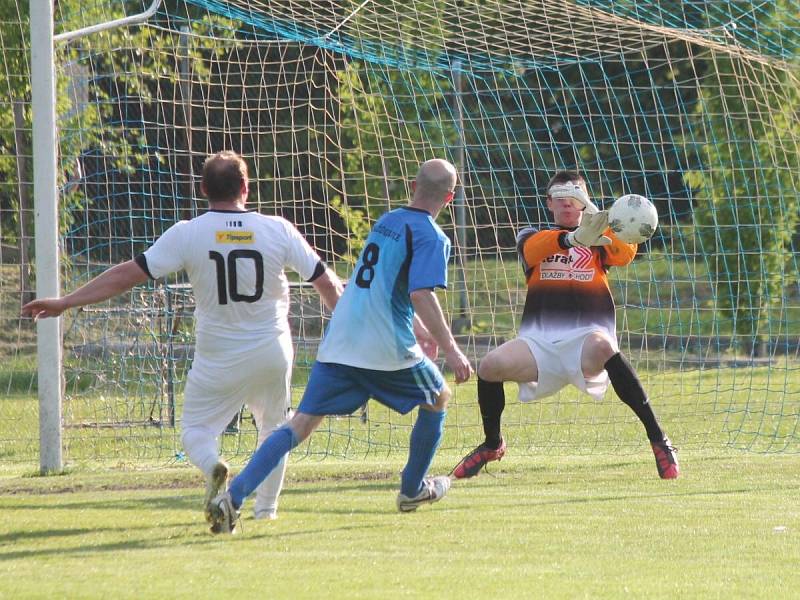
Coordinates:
(633, 218)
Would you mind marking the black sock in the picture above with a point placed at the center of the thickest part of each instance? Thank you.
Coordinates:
(492, 401)
(629, 389)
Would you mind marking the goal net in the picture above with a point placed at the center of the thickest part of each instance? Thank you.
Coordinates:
(334, 104)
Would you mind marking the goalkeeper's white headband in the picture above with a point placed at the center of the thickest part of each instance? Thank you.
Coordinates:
(568, 190)
(572, 190)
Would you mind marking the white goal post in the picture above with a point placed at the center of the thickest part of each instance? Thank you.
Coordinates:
(45, 194)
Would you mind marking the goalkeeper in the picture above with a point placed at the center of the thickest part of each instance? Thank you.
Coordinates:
(568, 330)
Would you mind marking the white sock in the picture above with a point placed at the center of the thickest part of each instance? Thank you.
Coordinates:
(200, 445)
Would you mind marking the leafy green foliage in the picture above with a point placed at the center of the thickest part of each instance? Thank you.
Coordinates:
(92, 75)
(747, 209)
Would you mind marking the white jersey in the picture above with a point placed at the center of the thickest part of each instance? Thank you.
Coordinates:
(235, 262)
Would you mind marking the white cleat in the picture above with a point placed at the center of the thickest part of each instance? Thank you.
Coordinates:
(433, 490)
(216, 484)
(223, 515)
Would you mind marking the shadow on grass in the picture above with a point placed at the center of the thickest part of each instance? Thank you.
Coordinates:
(187, 501)
(199, 537)
(155, 503)
(194, 532)
(9, 538)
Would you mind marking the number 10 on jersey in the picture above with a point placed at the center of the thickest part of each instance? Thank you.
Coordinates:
(227, 282)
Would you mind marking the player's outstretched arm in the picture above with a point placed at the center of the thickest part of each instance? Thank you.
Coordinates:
(427, 307)
(110, 283)
(329, 287)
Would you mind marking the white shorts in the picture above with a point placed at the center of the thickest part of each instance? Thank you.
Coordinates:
(219, 384)
(559, 364)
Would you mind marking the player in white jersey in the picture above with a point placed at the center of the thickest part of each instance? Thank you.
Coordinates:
(371, 347)
(235, 261)
(568, 331)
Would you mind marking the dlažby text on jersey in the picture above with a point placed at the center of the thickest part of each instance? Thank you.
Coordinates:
(568, 287)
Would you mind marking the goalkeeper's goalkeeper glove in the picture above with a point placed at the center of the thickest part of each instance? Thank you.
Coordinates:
(574, 191)
(590, 231)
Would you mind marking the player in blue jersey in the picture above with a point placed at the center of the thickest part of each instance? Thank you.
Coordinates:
(372, 347)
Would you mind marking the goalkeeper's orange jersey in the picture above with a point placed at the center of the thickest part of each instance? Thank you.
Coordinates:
(568, 287)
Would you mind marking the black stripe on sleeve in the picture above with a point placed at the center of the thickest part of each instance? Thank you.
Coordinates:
(141, 260)
(318, 271)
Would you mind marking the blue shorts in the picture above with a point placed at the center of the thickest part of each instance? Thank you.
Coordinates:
(335, 389)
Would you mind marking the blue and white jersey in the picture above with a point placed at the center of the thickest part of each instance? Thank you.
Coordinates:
(372, 325)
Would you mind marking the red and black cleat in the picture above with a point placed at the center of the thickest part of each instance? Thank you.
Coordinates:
(666, 459)
(473, 462)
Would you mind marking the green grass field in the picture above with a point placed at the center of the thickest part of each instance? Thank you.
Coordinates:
(755, 408)
(588, 527)
(575, 510)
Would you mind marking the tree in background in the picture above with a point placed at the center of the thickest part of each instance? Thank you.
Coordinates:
(391, 120)
(747, 206)
(102, 142)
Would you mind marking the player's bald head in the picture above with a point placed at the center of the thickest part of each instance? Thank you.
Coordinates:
(223, 176)
(435, 182)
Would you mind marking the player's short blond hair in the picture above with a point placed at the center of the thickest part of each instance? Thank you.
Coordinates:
(223, 174)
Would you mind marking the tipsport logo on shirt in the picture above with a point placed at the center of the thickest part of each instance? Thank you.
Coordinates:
(575, 266)
(235, 237)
